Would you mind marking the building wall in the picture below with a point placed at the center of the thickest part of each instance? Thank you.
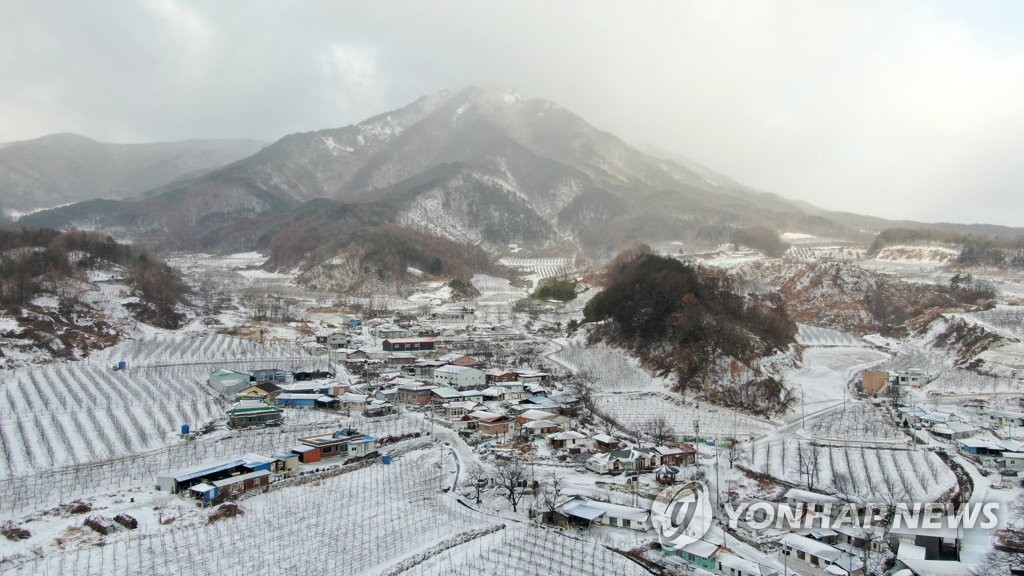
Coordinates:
(873, 381)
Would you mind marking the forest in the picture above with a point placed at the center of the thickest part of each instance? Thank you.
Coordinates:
(690, 322)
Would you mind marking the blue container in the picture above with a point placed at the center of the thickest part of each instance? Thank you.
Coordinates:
(386, 459)
(184, 429)
(121, 365)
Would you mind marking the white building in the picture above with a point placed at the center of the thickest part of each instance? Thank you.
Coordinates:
(459, 377)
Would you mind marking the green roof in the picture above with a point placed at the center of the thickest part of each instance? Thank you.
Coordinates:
(255, 409)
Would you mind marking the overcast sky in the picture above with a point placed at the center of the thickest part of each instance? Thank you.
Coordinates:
(896, 109)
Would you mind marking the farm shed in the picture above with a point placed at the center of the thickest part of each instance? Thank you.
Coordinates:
(307, 454)
(242, 483)
(566, 439)
(252, 413)
(187, 477)
(298, 399)
(275, 375)
(228, 382)
(285, 461)
(407, 344)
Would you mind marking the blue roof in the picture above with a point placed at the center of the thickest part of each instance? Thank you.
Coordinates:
(206, 469)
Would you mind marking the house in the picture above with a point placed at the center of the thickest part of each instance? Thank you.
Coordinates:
(459, 377)
(401, 359)
(623, 461)
(605, 442)
(337, 340)
(910, 415)
(1013, 460)
(454, 315)
(444, 395)
(939, 542)
(261, 391)
(328, 387)
(874, 381)
(241, 483)
(859, 537)
(512, 390)
(457, 359)
(306, 454)
(1003, 418)
(591, 512)
(252, 413)
(344, 443)
(461, 408)
(702, 553)
(980, 448)
(820, 555)
(390, 331)
(185, 478)
(489, 423)
(415, 393)
(532, 415)
(733, 565)
(493, 394)
(423, 369)
(913, 377)
(473, 395)
(305, 400)
(408, 344)
(541, 403)
(285, 461)
(353, 401)
(527, 376)
(377, 408)
(275, 375)
(682, 455)
(933, 418)
(540, 427)
(346, 354)
(493, 376)
(566, 439)
(228, 382)
(953, 430)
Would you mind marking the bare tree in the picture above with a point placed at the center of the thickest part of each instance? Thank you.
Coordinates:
(551, 489)
(734, 454)
(475, 483)
(658, 429)
(512, 482)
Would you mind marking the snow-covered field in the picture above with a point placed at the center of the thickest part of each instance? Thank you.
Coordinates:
(860, 471)
(631, 396)
(538, 269)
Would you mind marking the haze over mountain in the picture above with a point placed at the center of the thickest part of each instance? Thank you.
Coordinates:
(479, 166)
(64, 168)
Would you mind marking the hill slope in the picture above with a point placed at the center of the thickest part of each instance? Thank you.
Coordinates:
(64, 168)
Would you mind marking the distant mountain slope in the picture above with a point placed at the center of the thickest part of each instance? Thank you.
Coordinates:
(64, 168)
(478, 166)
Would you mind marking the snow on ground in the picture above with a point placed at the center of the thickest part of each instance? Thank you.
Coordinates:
(629, 395)
(538, 269)
(821, 380)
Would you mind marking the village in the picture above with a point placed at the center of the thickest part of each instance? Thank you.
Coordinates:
(530, 435)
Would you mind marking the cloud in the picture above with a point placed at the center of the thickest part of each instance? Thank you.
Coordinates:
(902, 109)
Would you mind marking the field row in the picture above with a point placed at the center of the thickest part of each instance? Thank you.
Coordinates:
(881, 475)
(355, 523)
(49, 488)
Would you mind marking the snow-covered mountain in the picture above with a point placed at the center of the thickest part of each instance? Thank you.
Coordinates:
(64, 168)
(481, 166)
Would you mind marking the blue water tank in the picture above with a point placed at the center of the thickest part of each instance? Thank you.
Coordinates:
(184, 429)
(386, 459)
(121, 365)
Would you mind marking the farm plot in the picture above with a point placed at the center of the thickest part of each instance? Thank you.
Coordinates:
(633, 410)
(606, 368)
(817, 336)
(541, 268)
(528, 552)
(165, 349)
(69, 414)
(26, 493)
(361, 522)
(858, 422)
(874, 474)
